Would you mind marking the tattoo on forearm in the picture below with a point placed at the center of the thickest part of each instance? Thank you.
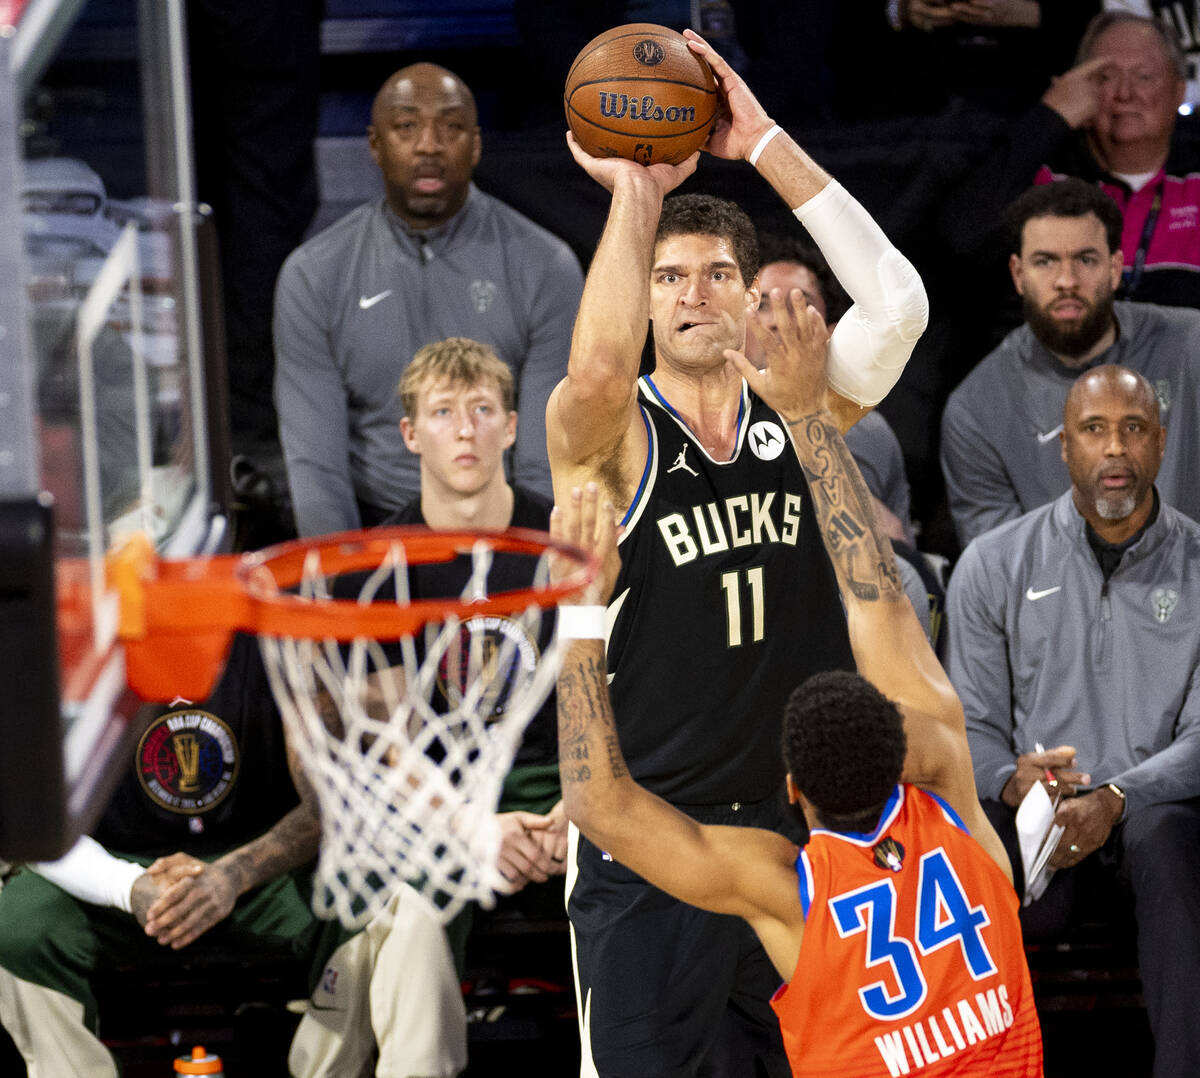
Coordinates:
(290, 843)
(861, 553)
(587, 735)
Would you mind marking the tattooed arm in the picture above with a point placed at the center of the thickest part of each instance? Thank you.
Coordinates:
(889, 645)
(201, 894)
(742, 871)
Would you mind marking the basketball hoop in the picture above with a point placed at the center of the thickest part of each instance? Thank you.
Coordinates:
(406, 710)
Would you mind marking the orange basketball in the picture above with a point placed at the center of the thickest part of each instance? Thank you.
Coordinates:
(638, 91)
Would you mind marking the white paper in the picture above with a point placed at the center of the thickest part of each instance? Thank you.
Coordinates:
(1038, 835)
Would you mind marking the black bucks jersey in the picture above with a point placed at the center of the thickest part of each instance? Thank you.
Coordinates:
(725, 603)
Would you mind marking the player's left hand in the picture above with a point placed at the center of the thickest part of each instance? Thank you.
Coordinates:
(793, 380)
(192, 905)
(1087, 821)
(741, 120)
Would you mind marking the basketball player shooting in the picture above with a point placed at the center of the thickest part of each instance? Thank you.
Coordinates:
(726, 598)
(896, 925)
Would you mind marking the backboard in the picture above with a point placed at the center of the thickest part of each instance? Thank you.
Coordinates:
(107, 406)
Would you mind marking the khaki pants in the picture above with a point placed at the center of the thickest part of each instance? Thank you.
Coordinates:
(49, 1031)
(391, 989)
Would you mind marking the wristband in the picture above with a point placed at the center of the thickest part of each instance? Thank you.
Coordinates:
(762, 144)
(581, 622)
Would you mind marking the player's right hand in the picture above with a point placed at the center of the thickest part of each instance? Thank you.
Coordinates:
(607, 171)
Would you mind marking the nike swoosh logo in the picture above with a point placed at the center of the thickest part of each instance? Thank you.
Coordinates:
(1050, 434)
(367, 302)
(1034, 596)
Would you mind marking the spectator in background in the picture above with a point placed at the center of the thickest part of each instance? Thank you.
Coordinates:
(993, 54)
(1110, 120)
(390, 995)
(1183, 16)
(1000, 426)
(214, 844)
(435, 257)
(1078, 627)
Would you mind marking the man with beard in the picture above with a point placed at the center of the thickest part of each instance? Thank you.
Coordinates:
(1000, 427)
(434, 258)
(1078, 626)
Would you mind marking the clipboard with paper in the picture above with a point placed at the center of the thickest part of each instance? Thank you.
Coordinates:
(1038, 836)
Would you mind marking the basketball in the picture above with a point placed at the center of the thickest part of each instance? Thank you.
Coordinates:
(638, 91)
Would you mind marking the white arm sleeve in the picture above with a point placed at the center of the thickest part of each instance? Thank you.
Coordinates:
(88, 872)
(873, 340)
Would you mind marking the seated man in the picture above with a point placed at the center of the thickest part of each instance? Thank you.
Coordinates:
(1078, 627)
(903, 870)
(393, 991)
(434, 257)
(207, 805)
(1000, 427)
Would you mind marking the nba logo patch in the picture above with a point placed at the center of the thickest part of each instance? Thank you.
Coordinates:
(329, 980)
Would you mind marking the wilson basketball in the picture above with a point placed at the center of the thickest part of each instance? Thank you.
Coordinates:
(638, 91)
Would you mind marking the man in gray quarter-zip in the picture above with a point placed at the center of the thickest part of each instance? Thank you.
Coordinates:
(434, 258)
(1000, 427)
(1078, 627)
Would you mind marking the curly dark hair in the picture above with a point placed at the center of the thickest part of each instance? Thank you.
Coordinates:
(1071, 197)
(707, 215)
(843, 742)
(804, 252)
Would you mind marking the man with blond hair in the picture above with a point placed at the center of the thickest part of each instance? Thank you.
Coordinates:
(394, 986)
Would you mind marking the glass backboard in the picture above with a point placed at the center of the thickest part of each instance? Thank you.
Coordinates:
(106, 408)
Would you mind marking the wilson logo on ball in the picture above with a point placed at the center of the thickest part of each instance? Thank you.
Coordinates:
(617, 106)
(649, 52)
(638, 91)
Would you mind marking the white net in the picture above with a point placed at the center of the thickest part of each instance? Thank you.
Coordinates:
(407, 741)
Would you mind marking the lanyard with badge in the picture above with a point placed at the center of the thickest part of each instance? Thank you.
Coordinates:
(1131, 276)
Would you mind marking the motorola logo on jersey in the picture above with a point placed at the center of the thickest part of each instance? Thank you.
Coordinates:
(187, 761)
(766, 439)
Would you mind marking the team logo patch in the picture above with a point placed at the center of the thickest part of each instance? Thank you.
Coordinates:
(889, 854)
(649, 52)
(495, 653)
(1162, 390)
(766, 439)
(1164, 601)
(483, 294)
(188, 761)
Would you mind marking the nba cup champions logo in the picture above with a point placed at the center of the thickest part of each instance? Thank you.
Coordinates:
(187, 761)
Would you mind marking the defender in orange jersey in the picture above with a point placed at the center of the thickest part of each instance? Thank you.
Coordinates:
(896, 925)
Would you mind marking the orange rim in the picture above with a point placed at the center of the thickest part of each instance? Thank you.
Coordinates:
(177, 617)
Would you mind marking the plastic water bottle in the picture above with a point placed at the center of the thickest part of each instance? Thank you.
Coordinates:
(200, 1062)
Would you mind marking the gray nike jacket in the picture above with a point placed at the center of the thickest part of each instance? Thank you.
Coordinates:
(1001, 454)
(1042, 649)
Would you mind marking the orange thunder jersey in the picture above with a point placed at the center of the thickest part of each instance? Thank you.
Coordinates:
(912, 960)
